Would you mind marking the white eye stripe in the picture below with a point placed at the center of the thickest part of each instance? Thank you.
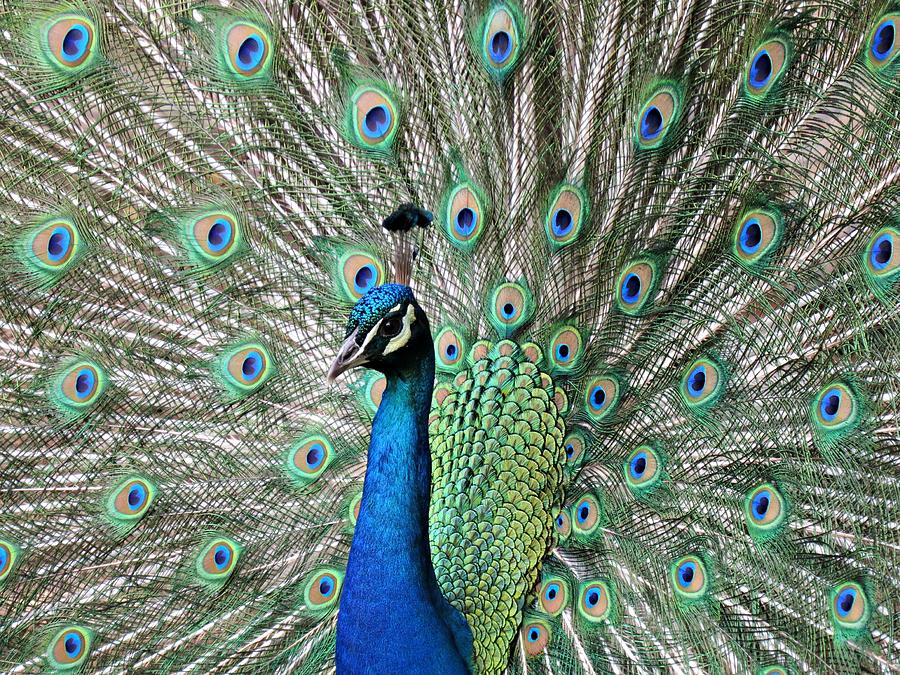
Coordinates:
(405, 334)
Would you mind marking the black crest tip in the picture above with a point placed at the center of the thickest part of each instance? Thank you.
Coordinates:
(406, 217)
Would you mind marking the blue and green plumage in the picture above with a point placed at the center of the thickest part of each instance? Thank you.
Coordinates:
(661, 284)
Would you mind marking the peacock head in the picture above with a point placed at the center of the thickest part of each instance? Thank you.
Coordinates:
(387, 331)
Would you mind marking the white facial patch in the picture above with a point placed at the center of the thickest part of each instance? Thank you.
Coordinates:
(374, 330)
(405, 334)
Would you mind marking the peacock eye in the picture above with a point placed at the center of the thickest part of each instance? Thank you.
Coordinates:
(391, 327)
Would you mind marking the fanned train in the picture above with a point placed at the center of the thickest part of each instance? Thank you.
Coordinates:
(651, 249)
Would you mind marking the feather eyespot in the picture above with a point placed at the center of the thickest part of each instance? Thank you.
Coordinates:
(308, 458)
(554, 595)
(574, 445)
(702, 384)
(248, 49)
(689, 578)
(464, 215)
(765, 512)
(79, 387)
(213, 237)
(69, 648)
(566, 349)
(881, 257)
(510, 307)
(535, 637)
(835, 406)
(131, 500)
(9, 557)
(323, 589)
(245, 368)
(587, 516)
(595, 601)
(54, 245)
(563, 525)
(501, 42)
(756, 235)
(353, 508)
(373, 118)
(359, 274)
(882, 43)
(568, 211)
(601, 397)
(773, 670)
(449, 348)
(849, 605)
(218, 560)
(636, 285)
(766, 67)
(643, 469)
(658, 116)
(71, 41)
(373, 392)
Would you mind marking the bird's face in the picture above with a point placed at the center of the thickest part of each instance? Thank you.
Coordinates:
(386, 331)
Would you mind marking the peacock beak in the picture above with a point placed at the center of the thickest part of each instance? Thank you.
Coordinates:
(351, 355)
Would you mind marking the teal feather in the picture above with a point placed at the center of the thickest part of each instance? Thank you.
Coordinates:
(183, 181)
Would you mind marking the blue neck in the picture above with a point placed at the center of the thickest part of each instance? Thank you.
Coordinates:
(393, 617)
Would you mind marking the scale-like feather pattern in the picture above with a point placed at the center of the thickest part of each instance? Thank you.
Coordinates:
(497, 443)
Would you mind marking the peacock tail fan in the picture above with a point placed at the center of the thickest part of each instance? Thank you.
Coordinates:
(662, 284)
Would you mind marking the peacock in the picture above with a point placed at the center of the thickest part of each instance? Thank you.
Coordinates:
(444, 336)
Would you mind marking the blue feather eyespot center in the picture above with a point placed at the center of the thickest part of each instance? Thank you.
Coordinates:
(314, 456)
(751, 236)
(651, 123)
(559, 521)
(761, 69)
(563, 353)
(326, 587)
(552, 591)
(75, 43)
(451, 351)
(252, 366)
(639, 465)
(3, 558)
(219, 235)
(697, 381)
(508, 310)
(533, 635)
(882, 252)
(501, 46)
(631, 288)
(845, 601)
(598, 397)
(562, 223)
(830, 404)
(136, 497)
(84, 383)
(584, 510)
(376, 121)
(686, 574)
(761, 505)
(221, 557)
(465, 221)
(364, 280)
(593, 597)
(72, 644)
(883, 42)
(570, 450)
(58, 244)
(250, 52)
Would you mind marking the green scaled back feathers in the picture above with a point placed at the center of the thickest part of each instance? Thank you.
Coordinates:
(663, 289)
